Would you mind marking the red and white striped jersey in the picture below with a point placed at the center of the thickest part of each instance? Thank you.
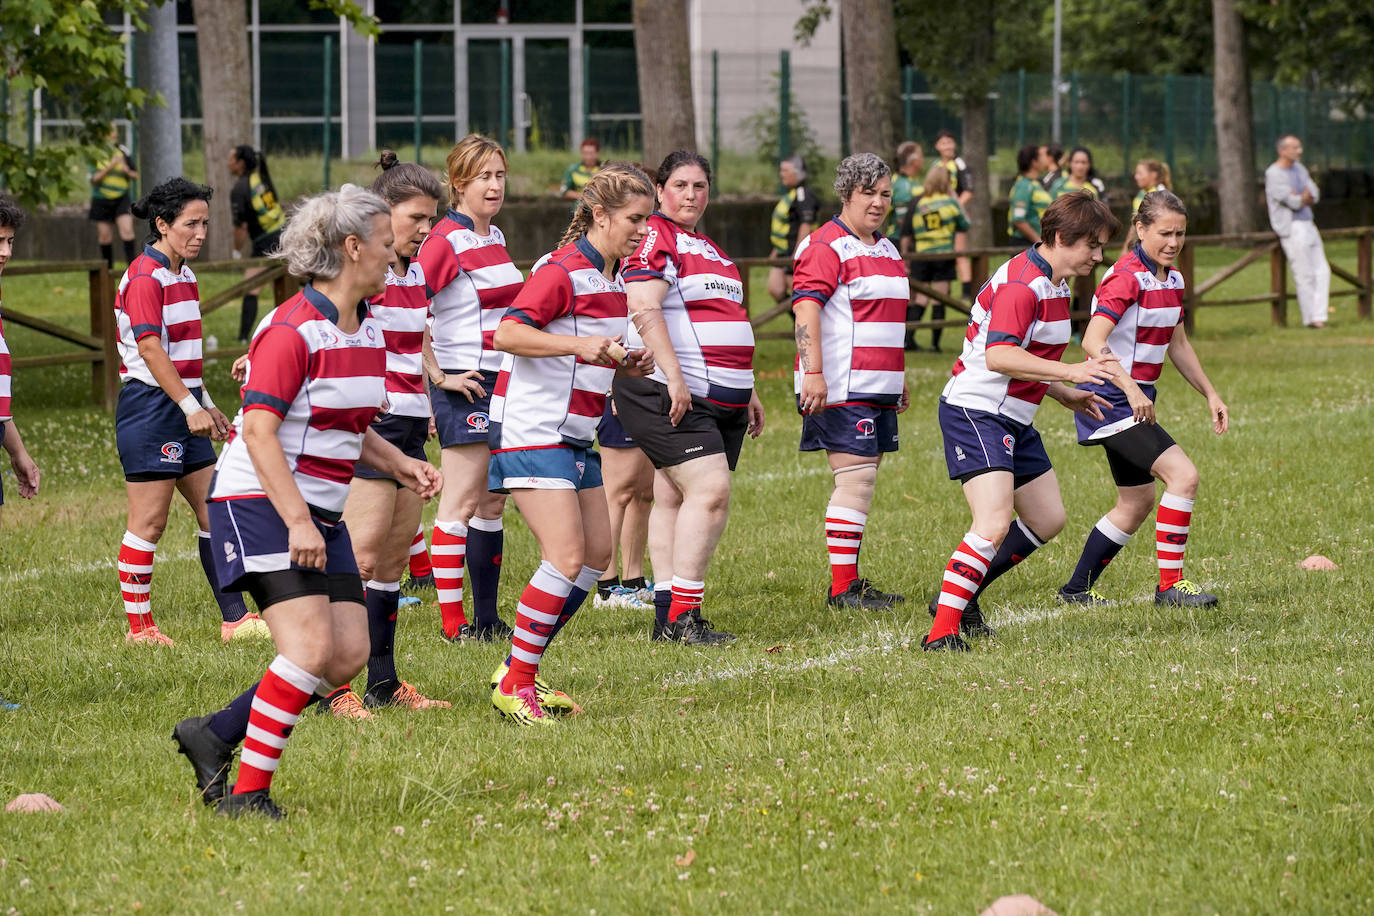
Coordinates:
(471, 280)
(558, 400)
(703, 311)
(154, 301)
(1144, 309)
(863, 292)
(401, 312)
(1019, 306)
(327, 387)
(6, 370)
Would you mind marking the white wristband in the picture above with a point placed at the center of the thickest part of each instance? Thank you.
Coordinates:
(189, 405)
(205, 399)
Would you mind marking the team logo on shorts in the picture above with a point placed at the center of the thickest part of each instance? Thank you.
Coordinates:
(581, 467)
(171, 453)
(959, 453)
(230, 552)
(478, 422)
(865, 428)
(1010, 442)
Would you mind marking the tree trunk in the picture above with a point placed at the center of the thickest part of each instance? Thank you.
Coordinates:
(975, 152)
(872, 76)
(159, 125)
(226, 100)
(1231, 102)
(664, 63)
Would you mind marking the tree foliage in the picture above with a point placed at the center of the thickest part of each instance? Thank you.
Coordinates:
(65, 49)
(1318, 44)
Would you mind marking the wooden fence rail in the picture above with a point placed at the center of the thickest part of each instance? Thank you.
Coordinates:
(96, 346)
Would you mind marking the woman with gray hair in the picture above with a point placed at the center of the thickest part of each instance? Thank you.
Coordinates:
(850, 307)
(316, 380)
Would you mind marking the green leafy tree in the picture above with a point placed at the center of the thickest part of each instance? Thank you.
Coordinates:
(1318, 44)
(65, 49)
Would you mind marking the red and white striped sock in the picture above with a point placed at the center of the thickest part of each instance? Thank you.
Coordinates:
(419, 555)
(844, 533)
(963, 574)
(448, 552)
(686, 597)
(1172, 519)
(535, 620)
(282, 694)
(136, 580)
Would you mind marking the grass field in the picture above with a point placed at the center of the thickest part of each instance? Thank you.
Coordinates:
(1119, 760)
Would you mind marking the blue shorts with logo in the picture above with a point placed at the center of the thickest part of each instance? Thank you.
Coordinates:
(610, 433)
(562, 467)
(153, 439)
(406, 433)
(3, 427)
(247, 536)
(458, 420)
(977, 442)
(853, 429)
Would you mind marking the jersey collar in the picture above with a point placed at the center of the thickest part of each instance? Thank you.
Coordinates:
(1033, 253)
(326, 307)
(462, 219)
(1150, 265)
(158, 256)
(590, 253)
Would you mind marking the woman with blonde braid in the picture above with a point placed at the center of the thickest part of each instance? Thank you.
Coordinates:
(562, 340)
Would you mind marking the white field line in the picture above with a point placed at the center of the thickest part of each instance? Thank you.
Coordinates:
(60, 568)
(881, 641)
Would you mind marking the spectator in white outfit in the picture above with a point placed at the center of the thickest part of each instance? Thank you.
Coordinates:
(1290, 193)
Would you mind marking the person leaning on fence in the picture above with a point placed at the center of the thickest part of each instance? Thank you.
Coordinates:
(258, 217)
(110, 204)
(25, 471)
(315, 382)
(793, 218)
(577, 175)
(930, 227)
(1028, 198)
(1137, 317)
(1290, 193)
(165, 419)
(850, 376)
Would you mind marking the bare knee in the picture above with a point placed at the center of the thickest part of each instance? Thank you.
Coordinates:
(1047, 525)
(1183, 481)
(568, 559)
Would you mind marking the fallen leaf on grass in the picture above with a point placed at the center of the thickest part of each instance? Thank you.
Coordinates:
(687, 860)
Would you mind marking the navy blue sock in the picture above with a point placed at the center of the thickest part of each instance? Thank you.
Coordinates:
(486, 540)
(381, 631)
(231, 606)
(230, 724)
(582, 586)
(1019, 543)
(1104, 543)
(663, 600)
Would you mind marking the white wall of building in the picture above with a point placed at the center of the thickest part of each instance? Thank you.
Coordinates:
(749, 34)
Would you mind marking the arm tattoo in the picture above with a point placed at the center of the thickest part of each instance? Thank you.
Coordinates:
(803, 334)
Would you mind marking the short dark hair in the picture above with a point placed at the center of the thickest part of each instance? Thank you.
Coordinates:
(592, 142)
(166, 201)
(1055, 151)
(1025, 157)
(12, 216)
(946, 132)
(676, 160)
(1076, 216)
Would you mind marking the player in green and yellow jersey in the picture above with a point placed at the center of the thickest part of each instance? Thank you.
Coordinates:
(931, 226)
(579, 173)
(258, 217)
(1028, 198)
(1150, 175)
(110, 203)
(1079, 176)
(906, 186)
(793, 218)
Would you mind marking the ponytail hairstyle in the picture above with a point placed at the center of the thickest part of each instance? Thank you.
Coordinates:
(401, 181)
(465, 162)
(312, 242)
(1162, 170)
(1156, 204)
(936, 181)
(255, 160)
(166, 201)
(612, 188)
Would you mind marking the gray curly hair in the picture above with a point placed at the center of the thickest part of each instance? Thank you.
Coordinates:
(312, 242)
(861, 170)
